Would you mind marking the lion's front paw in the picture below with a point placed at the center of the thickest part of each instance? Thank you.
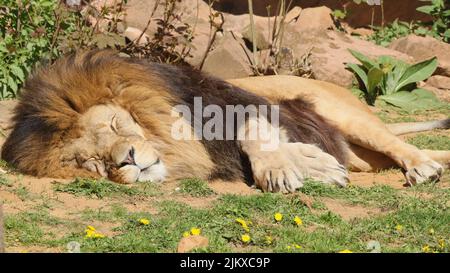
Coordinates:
(427, 171)
(320, 166)
(276, 171)
(285, 169)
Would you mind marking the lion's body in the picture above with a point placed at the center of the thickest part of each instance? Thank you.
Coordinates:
(62, 107)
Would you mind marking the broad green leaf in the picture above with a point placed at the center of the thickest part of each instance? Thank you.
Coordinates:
(17, 71)
(361, 74)
(418, 99)
(447, 33)
(375, 76)
(366, 61)
(426, 9)
(417, 72)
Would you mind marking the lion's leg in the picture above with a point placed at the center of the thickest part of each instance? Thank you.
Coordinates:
(354, 119)
(365, 160)
(279, 166)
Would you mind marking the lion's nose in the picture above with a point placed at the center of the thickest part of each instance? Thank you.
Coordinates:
(129, 160)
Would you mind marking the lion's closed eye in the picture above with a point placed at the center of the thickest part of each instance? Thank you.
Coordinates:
(114, 124)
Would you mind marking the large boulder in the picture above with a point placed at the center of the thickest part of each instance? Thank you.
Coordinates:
(313, 19)
(328, 52)
(357, 14)
(6, 113)
(229, 59)
(422, 48)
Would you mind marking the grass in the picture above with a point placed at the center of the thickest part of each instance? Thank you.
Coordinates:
(321, 231)
(103, 188)
(195, 187)
(432, 142)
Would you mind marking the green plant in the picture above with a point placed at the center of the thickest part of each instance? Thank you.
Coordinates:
(25, 39)
(38, 31)
(440, 11)
(385, 35)
(394, 81)
(91, 187)
(195, 187)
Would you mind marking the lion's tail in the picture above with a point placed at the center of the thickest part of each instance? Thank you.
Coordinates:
(414, 127)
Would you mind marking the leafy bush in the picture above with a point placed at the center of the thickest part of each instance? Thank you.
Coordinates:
(440, 11)
(438, 28)
(38, 31)
(385, 35)
(394, 81)
(25, 39)
(33, 32)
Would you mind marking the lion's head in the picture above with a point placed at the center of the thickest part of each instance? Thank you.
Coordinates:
(114, 145)
(96, 114)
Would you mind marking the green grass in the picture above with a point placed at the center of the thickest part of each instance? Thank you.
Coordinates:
(4, 181)
(330, 234)
(103, 188)
(27, 228)
(23, 193)
(322, 230)
(432, 142)
(195, 187)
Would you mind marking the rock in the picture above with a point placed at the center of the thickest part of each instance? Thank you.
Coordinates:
(95, 8)
(192, 242)
(442, 94)
(133, 34)
(357, 14)
(192, 12)
(362, 31)
(314, 19)
(6, 113)
(329, 52)
(422, 48)
(229, 59)
(438, 81)
(263, 35)
(293, 14)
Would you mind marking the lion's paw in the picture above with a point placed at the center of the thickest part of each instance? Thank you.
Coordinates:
(285, 169)
(318, 165)
(427, 171)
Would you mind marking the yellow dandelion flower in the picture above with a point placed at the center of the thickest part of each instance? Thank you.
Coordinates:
(144, 221)
(441, 243)
(297, 246)
(98, 235)
(431, 231)
(91, 228)
(196, 231)
(278, 217)
(399, 228)
(289, 247)
(243, 223)
(345, 251)
(186, 234)
(426, 249)
(298, 221)
(245, 238)
(269, 240)
(91, 232)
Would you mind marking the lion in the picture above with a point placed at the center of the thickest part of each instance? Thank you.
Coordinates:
(95, 114)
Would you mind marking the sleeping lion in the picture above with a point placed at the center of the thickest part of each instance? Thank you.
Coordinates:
(95, 114)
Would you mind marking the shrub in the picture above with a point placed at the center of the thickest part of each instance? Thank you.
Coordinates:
(394, 81)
